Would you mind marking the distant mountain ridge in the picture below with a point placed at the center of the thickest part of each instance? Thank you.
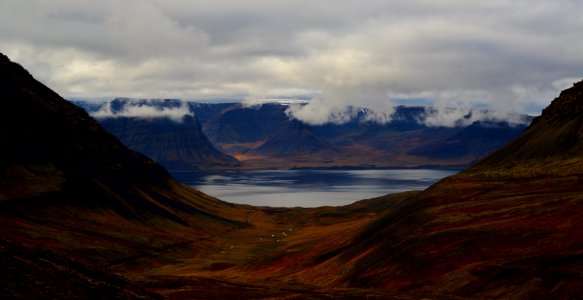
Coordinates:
(264, 136)
(252, 133)
(165, 130)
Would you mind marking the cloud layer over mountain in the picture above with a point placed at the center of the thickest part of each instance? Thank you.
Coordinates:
(506, 55)
(144, 109)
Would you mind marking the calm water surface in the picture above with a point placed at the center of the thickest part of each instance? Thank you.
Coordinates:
(308, 188)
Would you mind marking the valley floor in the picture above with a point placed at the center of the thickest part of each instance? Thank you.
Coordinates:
(470, 236)
(271, 258)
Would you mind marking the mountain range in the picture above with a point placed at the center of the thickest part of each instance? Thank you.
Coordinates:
(265, 137)
(82, 216)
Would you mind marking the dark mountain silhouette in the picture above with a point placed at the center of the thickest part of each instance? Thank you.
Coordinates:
(56, 147)
(73, 190)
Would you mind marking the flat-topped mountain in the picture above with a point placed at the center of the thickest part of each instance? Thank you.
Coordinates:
(251, 133)
(166, 131)
(265, 136)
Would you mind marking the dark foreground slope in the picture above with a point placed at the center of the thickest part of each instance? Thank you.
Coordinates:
(74, 199)
(509, 227)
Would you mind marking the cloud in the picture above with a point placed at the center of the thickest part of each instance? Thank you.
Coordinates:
(144, 109)
(504, 55)
(316, 112)
(461, 117)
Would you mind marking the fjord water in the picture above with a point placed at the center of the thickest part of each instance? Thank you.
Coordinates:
(308, 188)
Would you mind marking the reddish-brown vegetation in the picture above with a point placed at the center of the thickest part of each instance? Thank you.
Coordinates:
(81, 216)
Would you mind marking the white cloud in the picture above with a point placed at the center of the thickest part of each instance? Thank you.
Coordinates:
(506, 55)
(459, 117)
(316, 112)
(144, 109)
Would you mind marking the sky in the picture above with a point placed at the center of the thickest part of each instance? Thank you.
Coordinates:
(504, 55)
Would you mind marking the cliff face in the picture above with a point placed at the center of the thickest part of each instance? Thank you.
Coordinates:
(177, 145)
(166, 130)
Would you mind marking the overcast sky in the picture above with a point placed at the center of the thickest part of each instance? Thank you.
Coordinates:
(514, 55)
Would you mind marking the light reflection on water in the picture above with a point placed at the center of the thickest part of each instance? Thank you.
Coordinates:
(308, 188)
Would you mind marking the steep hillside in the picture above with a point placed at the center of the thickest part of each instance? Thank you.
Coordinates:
(72, 194)
(553, 143)
(56, 147)
(166, 130)
(177, 145)
(507, 228)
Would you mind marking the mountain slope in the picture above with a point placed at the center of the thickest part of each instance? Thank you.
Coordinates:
(166, 130)
(50, 136)
(239, 124)
(555, 138)
(177, 145)
(509, 227)
(297, 139)
(476, 140)
(73, 190)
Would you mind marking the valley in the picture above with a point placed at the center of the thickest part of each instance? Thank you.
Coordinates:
(83, 216)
